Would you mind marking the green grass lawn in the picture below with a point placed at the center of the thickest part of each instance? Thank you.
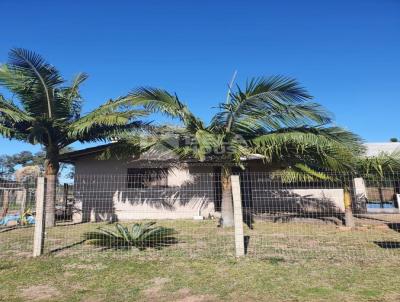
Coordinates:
(285, 262)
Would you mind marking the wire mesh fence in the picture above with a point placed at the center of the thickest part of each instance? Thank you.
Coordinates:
(181, 206)
(161, 213)
(310, 218)
(17, 204)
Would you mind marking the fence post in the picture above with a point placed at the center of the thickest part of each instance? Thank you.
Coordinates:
(23, 196)
(237, 216)
(360, 192)
(6, 202)
(38, 239)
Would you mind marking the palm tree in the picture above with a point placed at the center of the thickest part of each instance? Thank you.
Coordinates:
(48, 112)
(273, 117)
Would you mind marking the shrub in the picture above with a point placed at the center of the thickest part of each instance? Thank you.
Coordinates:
(139, 235)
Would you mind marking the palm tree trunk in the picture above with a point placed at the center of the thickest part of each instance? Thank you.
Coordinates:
(348, 212)
(226, 204)
(52, 166)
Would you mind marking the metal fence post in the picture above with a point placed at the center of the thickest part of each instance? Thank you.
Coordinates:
(38, 239)
(238, 216)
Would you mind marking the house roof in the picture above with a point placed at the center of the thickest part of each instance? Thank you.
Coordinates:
(71, 157)
(152, 155)
(372, 149)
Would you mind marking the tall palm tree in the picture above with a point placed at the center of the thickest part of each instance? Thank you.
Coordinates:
(48, 112)
(271, 116)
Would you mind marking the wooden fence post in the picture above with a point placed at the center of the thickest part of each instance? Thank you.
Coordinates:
(38, 239)
(6, 202)
(23, 196)
(237, 216)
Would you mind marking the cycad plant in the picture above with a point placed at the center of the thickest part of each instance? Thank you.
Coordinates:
(139, 235)
(273, 117)
(47, 111)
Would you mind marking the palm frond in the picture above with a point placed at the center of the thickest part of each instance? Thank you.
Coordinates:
(12, 113)
(313, 149)
(14, 123)
(69, 100)
(32, 79)
(300, 173)
(159, 100)
(271, 103)
(7, 132)
(379, 165)
(106, 121)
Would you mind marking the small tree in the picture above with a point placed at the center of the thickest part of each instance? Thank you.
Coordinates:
(48, 113)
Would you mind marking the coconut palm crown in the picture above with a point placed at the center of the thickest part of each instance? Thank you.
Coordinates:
(273, 117)
(48, 112)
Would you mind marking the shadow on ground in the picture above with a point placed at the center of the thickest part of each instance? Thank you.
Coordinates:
(388, 244)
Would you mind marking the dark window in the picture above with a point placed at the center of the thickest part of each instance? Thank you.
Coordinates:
(146, 178)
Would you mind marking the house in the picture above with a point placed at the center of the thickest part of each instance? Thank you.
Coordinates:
(155, 185)
(374, 149)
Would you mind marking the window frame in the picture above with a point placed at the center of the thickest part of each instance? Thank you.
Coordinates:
(145, 178)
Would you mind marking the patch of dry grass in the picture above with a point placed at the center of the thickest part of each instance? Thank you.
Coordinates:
(291, 261)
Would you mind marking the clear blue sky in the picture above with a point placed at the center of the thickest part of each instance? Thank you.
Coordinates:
(347, 53)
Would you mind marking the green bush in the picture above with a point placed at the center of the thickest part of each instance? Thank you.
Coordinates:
(139, 235)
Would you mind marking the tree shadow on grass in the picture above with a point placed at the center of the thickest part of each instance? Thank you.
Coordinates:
(394, 226)
(63, 248)
(388, 244)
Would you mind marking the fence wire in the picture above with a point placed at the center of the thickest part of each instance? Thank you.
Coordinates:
(17, 206)
(167, 213)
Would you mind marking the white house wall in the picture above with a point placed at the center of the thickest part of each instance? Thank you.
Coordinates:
(101, 193)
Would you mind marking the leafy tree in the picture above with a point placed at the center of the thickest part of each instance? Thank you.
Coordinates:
(48, 112)
(10, 163)
(273, 117)
(394, 139)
